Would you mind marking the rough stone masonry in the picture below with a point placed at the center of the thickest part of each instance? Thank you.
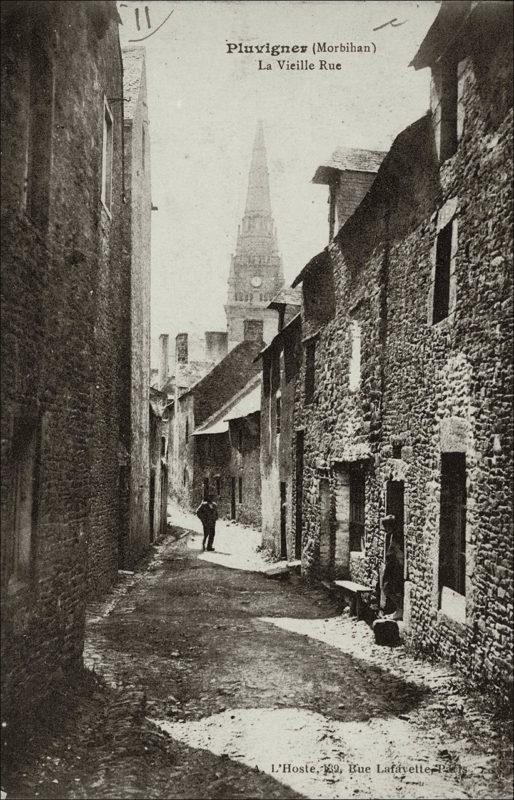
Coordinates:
(410, 361)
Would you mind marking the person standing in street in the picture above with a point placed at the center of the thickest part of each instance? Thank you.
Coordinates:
(207, 512)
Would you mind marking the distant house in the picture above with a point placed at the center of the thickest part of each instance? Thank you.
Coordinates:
(194, 406)
(227, 456)
(405, 395)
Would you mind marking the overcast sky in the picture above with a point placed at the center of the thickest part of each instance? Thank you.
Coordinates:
(203, 107)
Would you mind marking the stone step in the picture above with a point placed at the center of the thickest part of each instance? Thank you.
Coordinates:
(353, 587)
(276, 570)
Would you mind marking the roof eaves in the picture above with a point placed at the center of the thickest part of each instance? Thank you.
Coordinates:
(248, 387)
(312, 266)
(294, 321)
(446, 27)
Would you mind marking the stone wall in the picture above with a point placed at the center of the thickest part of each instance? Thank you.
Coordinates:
(425, 389)
(280, 364)
(138, 210)
(65, 296)
(245, 467)
(181, 450)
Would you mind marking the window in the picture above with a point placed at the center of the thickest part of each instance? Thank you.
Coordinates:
(240, 487)
(310, 363)
(357, 508)
(187, 430)
(397, 450)
(278, 412)
(449, 102)
(452, 523)
(23, 499)
(107, 158)
(218, 485)
(163, 445)
(442, 274)
(355, 356)
(184, 477)
(240, 440)
(40, 127)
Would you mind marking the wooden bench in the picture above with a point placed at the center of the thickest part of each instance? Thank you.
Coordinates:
(354, 591)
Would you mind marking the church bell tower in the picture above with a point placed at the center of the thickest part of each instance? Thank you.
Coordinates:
(256, 273)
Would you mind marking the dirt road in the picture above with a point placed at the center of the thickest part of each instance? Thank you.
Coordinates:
(224, 683)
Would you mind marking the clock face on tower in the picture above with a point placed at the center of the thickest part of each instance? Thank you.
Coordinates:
(256, 281)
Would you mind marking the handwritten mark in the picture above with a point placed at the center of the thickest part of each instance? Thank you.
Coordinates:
(157, 28)
(392, 22)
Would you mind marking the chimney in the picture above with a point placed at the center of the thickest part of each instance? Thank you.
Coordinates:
(164, 340)
(216, 345)
(253, 330)
(181, 351)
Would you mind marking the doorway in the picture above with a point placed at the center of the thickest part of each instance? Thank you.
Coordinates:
(395, 505)
(283, 515)
(164, 501)
(325, 525)
(152, 503)
(232, 498)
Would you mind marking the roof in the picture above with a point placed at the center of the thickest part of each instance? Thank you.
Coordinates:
(312, 266)
(245, 346)
(287, 296)
(348, 159)
(296, 319)
(450, 17)
(245, 402)
(133, 72)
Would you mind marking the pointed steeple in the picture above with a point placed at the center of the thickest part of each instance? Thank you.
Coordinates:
(258, 194)
(256, 273)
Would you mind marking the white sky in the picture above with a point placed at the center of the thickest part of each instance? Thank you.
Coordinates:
(203, 107)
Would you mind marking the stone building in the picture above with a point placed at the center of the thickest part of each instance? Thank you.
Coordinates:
(256, 272)
(190, 363)
(138, 205)
(281, 362)
(227, 456)
(65, 383)
(194, 406)
(406, 390)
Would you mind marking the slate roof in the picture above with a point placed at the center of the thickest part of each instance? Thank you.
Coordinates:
(287, 296)
(348, 159)
(133, 70)
(245, 402)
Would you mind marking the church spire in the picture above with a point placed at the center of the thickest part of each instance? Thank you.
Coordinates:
(256, 273)
(258, 194)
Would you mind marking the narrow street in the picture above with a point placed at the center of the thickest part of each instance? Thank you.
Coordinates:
(212, 680)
